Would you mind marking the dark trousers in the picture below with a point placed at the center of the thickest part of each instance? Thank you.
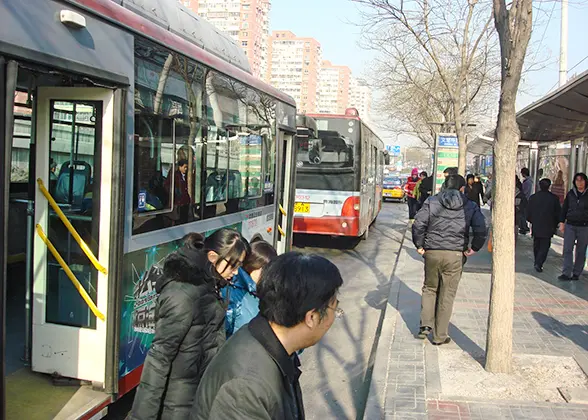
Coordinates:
(413, 207)
(540, 250)
(442, 275)
(523, 226)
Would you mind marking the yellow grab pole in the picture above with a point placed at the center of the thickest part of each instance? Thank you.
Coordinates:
(281, 231)
(71, 229)
(282, 210)
(70, 275)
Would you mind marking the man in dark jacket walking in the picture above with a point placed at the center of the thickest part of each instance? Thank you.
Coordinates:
(574, 218)
(543, 212)
(255, 375)
(441, 234)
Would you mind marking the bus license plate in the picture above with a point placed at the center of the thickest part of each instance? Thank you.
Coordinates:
(301, 207)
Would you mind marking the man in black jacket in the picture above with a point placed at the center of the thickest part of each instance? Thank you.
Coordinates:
(574, 218)
(441, 234)
(255, 375)
(543, 212)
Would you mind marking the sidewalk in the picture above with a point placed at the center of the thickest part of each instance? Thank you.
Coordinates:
(551, 318)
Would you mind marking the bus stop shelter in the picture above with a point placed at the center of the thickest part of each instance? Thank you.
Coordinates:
(554, 134)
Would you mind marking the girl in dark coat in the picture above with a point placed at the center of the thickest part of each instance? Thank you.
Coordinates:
(190, 321)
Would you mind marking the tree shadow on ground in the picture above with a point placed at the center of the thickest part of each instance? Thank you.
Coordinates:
(576, 333)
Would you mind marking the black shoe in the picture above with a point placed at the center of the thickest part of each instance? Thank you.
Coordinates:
(446, 341)
(563, 277)
(538, 269)
(424, 332)
(575, 277)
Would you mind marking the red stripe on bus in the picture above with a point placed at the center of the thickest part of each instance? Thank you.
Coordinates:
(328, 225)
(96, 409)
(129, 381)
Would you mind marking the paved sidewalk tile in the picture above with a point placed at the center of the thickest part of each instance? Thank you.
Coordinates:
(551, 318)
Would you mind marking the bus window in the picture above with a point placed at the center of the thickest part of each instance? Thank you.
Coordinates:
(168, 135)
(21, 138)
(239, 125)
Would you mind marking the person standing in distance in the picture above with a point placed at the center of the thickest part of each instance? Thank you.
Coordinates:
(255, 375)
(441, 235)
(543, 212)
(574, 225)
(409, 187)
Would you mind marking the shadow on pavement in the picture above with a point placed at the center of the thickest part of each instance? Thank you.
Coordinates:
(576, 333)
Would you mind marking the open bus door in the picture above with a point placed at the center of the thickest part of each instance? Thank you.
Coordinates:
(72, 320)
(286, 147)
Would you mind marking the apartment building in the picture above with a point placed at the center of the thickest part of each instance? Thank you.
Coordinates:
(334, 85)
(246, 21)
(293, 67)
(360, 97)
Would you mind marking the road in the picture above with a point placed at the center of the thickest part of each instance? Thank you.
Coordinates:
(335, 379)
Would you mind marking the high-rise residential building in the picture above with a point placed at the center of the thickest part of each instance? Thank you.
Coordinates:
(334, 83)
(246, 21)
(293, 67)
(360, 97)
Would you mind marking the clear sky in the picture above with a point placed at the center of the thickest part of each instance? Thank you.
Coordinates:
(329, 21)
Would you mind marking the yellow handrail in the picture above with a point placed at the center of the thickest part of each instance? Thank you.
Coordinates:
(70, 275)
(71, 229)
(282, 210)
(281, 231)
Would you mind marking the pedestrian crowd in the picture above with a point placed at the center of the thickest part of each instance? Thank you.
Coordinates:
(231, 320)
(449, 227)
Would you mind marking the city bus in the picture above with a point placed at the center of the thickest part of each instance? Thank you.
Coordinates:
(339, 172)
(125, 126)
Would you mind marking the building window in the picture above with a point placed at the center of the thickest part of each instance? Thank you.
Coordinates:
(244, 43)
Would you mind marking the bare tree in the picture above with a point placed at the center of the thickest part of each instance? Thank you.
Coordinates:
(513, 24)
(446, 37)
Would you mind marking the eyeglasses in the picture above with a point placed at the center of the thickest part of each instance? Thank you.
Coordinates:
(338, 311)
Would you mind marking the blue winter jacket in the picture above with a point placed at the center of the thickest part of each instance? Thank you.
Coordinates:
(243, 304)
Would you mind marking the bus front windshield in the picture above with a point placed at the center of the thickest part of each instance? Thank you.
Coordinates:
(333, 148)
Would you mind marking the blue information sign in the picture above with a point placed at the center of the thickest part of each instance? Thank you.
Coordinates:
(448, 141)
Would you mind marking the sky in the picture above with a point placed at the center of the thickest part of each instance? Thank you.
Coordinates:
(331, 23)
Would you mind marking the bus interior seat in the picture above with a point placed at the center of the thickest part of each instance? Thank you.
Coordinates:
(81, 180)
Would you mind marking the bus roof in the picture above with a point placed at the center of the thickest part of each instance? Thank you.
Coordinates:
(172, 25)
(345, 117)
(305, 121)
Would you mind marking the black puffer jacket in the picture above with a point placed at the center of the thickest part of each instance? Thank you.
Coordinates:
(444, 222)
(189, 330)
(575, 208)
(252, 377)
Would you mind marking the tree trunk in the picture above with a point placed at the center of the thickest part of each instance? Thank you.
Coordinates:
(499, 340)
(514, 31)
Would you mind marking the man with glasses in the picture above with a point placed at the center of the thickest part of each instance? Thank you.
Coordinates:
(255, 375)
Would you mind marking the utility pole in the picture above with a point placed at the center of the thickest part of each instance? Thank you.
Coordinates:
(563, 47)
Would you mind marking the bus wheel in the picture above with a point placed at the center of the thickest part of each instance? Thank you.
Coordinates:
(366, 234)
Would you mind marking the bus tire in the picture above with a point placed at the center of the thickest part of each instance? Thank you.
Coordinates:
(366, 234)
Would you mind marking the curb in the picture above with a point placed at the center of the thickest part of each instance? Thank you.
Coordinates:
(376, 400)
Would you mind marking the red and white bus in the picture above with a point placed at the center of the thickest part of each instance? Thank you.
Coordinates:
(339, 172)
(101, 103)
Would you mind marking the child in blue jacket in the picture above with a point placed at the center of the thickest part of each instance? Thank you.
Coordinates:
(243, 304)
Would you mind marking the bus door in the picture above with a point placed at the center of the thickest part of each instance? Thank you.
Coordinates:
(286, 147)
(74, 173)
